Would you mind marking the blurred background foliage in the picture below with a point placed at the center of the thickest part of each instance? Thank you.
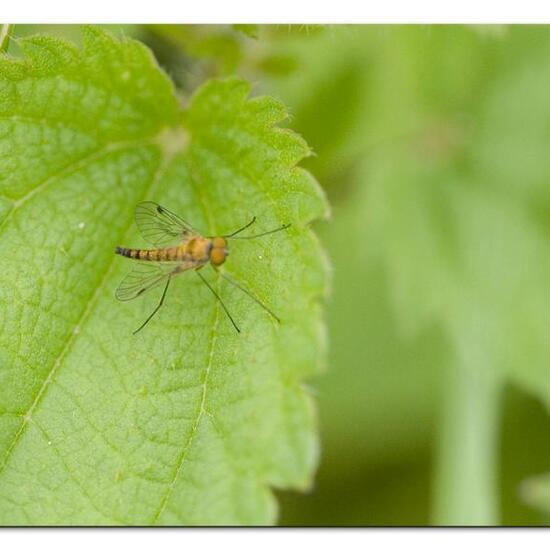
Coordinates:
(433, 144)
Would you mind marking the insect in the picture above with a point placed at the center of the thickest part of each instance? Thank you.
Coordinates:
(179, 248)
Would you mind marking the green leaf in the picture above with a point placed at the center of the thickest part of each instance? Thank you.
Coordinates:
(536, 492)
(219, 46)
(250, 30)
(5, 31)
(188, 422)
(459, 212)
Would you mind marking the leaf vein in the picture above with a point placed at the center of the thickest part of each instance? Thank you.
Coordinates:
(71, 338)
(202, 409)
(71, 168)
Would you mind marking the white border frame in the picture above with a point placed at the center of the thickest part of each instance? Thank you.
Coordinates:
(281, 11)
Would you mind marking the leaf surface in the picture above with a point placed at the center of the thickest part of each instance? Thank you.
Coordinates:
(188, 422)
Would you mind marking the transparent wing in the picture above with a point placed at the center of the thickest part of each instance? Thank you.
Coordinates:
(145, 276)
(159, 226)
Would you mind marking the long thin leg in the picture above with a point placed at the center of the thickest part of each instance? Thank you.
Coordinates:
(248, 293)
(220, 300)
(157, 308)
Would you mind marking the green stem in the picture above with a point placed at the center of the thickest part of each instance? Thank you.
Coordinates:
(6, 31)
(466, 485)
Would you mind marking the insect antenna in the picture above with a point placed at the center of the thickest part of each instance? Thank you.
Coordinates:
(286, 226)
(219, 299)
(248, 293)
(241, 229)
(157, 308)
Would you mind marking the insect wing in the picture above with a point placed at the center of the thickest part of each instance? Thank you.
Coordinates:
(161, 227)
(143, 277)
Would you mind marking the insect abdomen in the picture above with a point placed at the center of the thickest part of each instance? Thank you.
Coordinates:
(139, 254)
(123, 251)
(173, 254)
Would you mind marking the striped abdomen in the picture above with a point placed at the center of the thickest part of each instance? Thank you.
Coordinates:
(172, 254)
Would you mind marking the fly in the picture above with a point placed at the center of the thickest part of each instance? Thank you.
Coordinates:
(189, 250)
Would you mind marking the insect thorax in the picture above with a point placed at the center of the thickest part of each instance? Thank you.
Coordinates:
(198, 248)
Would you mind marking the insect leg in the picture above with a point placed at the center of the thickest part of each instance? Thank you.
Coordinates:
(157, 308)
(248, 293)
(220, 300)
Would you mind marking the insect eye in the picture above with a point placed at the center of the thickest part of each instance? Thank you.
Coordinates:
(219, 242)
(217, 256)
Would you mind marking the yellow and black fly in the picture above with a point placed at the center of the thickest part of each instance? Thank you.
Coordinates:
(189, 250)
